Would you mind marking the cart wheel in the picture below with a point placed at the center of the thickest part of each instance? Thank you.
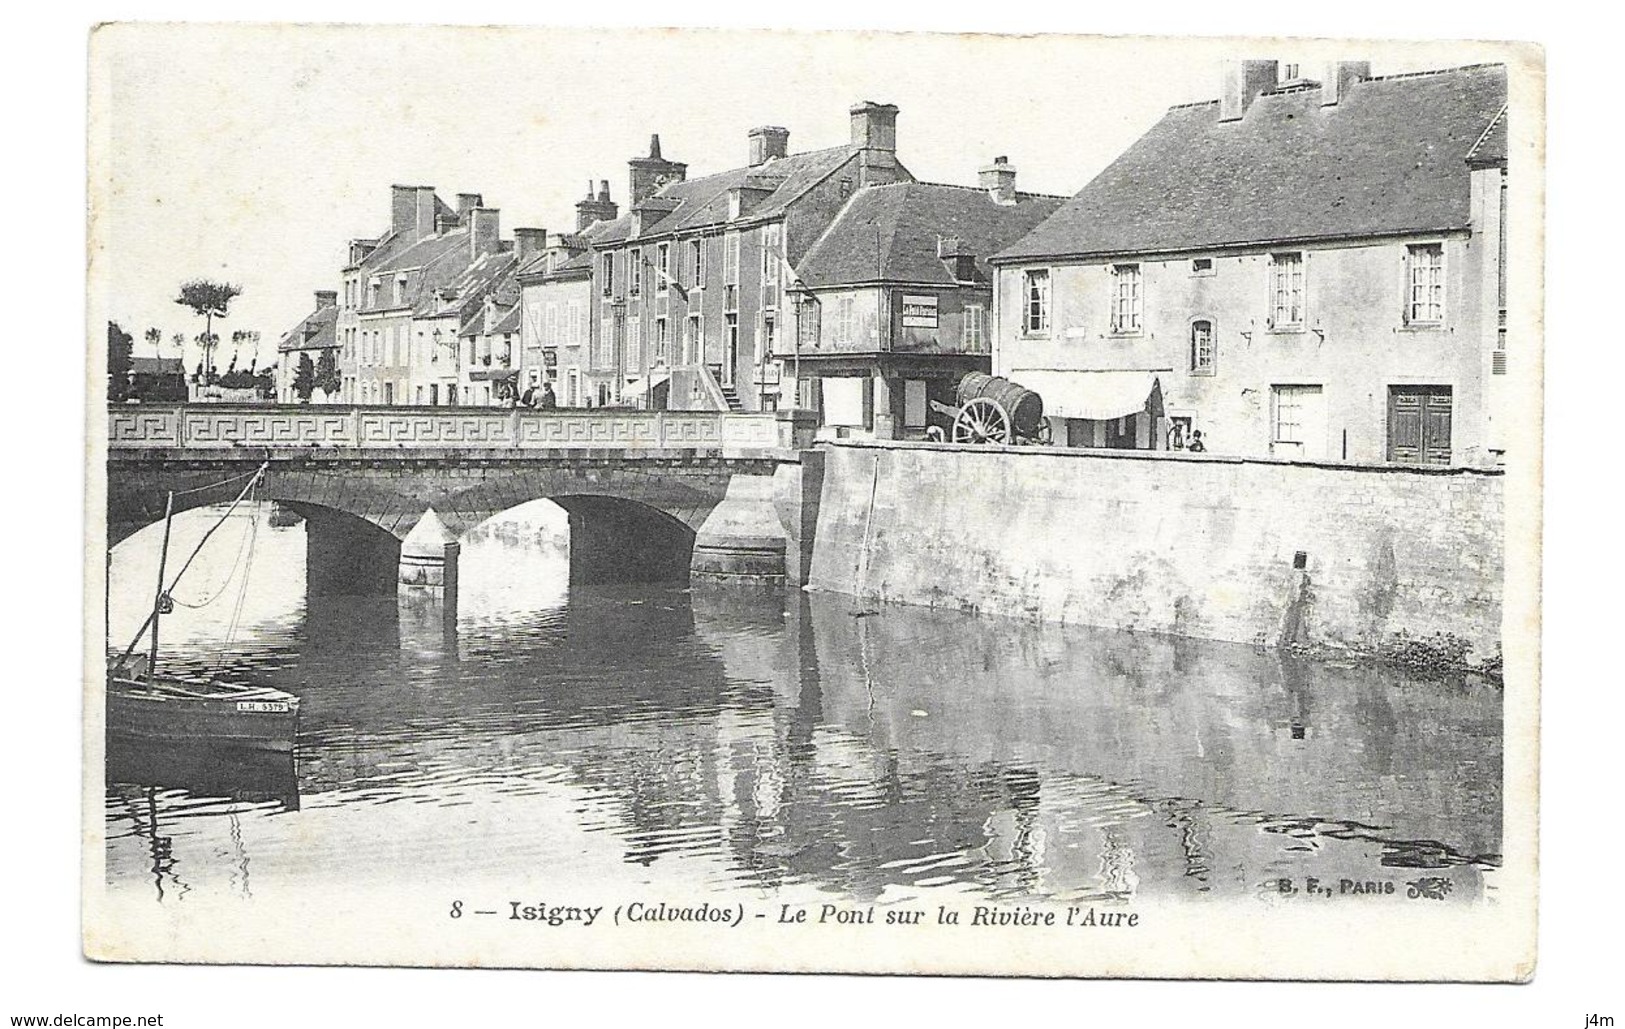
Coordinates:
(1045, 435)
(982, 420)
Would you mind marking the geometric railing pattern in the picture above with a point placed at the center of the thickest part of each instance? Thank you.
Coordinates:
(206, 426)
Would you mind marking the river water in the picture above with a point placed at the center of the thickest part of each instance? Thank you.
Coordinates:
(711, 738)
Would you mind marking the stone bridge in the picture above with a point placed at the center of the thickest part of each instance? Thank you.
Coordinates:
(650, 494)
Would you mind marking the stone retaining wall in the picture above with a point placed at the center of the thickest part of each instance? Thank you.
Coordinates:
(1198, 546)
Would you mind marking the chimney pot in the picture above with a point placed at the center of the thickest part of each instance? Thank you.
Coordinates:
(1243, 81)
(595, 209)
(999, 179)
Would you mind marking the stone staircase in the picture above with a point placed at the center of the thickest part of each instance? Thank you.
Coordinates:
(731, 395)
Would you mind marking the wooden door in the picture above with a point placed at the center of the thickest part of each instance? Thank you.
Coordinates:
(1419, 424)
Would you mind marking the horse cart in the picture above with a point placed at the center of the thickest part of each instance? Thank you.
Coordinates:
(992, 409)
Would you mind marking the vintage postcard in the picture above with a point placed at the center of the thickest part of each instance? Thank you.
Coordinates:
(839, 502)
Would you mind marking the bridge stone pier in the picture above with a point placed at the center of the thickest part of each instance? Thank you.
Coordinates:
(651, 495)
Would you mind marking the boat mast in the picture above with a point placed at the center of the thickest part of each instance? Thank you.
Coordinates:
(158, 597)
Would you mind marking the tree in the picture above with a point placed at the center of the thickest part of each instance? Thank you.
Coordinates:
(265, 382)
(155, 336)
(327, 372)
(119, 346)
(207, 342)
(304, 377)
(209, 300)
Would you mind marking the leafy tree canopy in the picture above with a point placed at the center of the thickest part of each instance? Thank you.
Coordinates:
(327, 372)
(208, 298)
(304, 377)
(119, 345)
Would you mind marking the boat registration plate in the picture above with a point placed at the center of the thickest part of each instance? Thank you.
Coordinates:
(268, 706)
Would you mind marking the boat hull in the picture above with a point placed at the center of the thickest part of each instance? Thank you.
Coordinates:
(235, 718)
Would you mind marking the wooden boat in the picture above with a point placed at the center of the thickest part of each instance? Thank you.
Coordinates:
(162, 708)
(148, 706)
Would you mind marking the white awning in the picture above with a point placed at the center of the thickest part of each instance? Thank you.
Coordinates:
(636, 386)
(1096, 395)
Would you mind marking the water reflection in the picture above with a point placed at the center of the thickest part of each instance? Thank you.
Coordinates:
(712, 737)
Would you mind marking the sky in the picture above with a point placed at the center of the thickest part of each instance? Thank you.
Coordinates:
(253, 154)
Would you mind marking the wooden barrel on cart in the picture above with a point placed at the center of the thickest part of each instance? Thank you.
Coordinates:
(1026, 408)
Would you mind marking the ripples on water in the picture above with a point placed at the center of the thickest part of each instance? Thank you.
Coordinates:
(715, 737)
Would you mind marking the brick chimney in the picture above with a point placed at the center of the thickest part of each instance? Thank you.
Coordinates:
(466, 202)
(1340, 78)
(1243, 81)
(411, 211)
(527, 243)
(999, 179)
(768, 142)
(483, 230)
(648, 174)
(327, 298)
(874, 130)
(595, 209)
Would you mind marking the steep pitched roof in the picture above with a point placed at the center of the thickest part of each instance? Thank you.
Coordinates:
(457, 284)
(891, 233)
(1388, 158)
(315, 331)
(1491, 148)
(703, 202)
(508, 321)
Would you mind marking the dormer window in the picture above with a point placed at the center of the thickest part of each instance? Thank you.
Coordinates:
(400, 290)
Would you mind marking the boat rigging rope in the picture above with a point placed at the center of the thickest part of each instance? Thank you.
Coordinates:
(216, 485)
(253, 482)
(219, 591)
(252, 537)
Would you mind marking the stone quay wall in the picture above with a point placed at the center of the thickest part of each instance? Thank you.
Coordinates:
(1259, 551)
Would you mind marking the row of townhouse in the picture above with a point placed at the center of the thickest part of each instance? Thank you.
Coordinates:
(1306, 269)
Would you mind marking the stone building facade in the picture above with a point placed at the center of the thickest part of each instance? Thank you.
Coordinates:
(315, 335)
(1300, 269)
(688, 288)
(894, 300)
(399, 289)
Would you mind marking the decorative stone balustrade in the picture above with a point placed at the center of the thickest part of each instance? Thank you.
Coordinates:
(206, 426)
